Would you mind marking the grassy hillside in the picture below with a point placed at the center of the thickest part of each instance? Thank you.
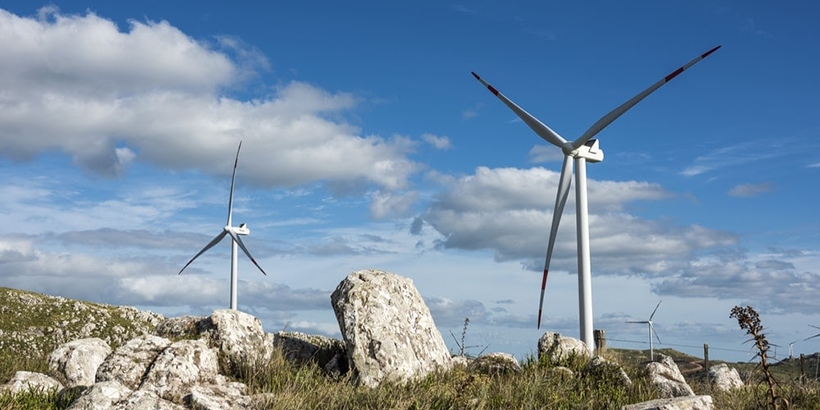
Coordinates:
(31, 325)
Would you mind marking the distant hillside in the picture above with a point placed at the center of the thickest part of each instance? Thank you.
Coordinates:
(33, 324)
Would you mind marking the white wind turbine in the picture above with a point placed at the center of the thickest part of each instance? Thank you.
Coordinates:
(651, 332)
(581, 150)
(234, 232)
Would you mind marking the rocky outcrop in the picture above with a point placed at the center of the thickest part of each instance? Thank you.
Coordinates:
(239, 338)
(676, 403)
(75, 363)
(388, 330)
(667, 378)
(179, 367)
(495, 364)
(556, 348)
(129, 363)
(724, 378)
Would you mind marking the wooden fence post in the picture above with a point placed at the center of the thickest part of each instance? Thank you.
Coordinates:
(706, 356)
(600, 341)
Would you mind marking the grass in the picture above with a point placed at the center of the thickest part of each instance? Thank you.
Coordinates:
(278, 384)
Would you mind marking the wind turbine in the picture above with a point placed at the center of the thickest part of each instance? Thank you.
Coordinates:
(234, 233)
(580, 150)
(651, 331)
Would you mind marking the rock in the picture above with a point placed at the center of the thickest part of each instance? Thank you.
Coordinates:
(724, 378)
(495, 364)
(239, 338)
(218, 397)
(388, 330)
(556, 348)
(462, 361)
(183, 364)
(101, 396)
(75, 363)
(129, 363)
(677, 403)
(30, 381)
(300, 348)
(603, 370)
(148, 400)
(561, 372)
(184, 327)
(667, 378)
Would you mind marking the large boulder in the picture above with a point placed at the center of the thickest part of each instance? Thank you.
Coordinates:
(75, 363)
(101, 396)
(148, 400)
(724, 378)
(676, 403)
(555, 348)
(129, 363)
(667, 378)
(184, 327)
(23, 381)
(388, 330)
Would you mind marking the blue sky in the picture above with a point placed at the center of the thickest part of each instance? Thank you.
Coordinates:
(368, 144)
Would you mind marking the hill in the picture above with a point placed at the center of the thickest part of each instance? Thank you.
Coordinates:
(33, 324)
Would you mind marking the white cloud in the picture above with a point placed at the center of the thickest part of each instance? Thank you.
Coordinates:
(440, 143)
(106, 97)
(388, 205)
(750, 190)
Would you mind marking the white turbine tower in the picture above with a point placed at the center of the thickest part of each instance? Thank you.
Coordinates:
(234, 233)
(651, 332)
(580, 150)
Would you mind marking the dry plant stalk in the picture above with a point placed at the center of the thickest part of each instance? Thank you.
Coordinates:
(749, 320)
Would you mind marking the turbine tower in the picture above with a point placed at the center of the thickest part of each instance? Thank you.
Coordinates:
(582, 150)
(651, 332)
(236, 242)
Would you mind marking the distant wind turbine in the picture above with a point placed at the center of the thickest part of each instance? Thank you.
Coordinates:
(651, 331)
(234, 233)
(581, 150)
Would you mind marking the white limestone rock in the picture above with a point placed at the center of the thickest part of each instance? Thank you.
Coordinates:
(301, 348)
(147, 400)
(101, 396)
(75, 363)
(388, 330)
(667, 378)
(226, 396)
(676, 403)
(556, 348)
(180, 366)
(495, 364)
(129, 363)
(724, 378)
(604, 370)
(23, 381)
(239, 338)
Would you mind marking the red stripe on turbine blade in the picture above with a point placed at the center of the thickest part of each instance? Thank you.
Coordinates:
(673, 75)
(492, 90)
(709, 52)
(544, 281)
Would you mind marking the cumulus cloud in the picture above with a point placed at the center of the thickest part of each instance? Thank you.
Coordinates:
(386, 204)
(508, 211)
(750, 190)
(108, 96)
(438, 142)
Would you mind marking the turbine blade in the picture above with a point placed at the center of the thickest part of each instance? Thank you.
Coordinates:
(652, 327)
(656, 309)
(244, 249)
(636, 321)
(540, 128)
(233, 179)
(208, 246)
(812, 337)
(816, 327)
(560, 200)
(612, 115)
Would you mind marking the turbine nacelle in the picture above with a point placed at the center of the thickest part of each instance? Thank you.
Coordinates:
(242, 230)
(589, 151)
